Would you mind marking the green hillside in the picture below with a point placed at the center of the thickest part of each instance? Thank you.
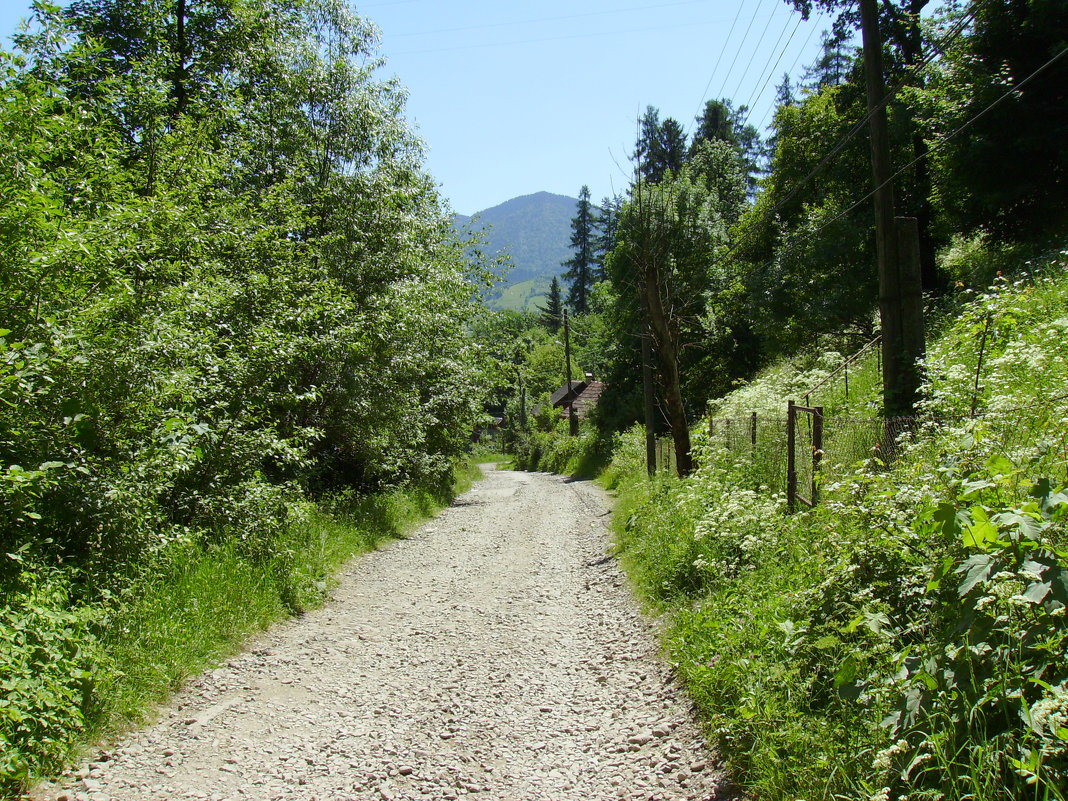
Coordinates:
(534, 231)
(525, 296)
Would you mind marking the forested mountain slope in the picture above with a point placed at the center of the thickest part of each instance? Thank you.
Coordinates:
(533, 230)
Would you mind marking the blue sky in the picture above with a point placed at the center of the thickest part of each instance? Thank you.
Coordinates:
(516, 98)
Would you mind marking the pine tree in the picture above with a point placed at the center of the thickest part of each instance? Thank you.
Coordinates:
(607, 223)
(721, 121)
(580, 266)
(553, 310)
(661, 146)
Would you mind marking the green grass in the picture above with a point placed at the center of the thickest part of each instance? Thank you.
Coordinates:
(90, 672)
(524, 296)
(905, 639)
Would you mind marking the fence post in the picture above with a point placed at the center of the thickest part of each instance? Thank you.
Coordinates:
(752, 429)
(711, 427)
(817, 446)
(845, 368)
(791, 465)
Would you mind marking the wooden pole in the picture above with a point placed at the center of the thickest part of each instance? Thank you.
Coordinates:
(572, 419)
(791, 464)
(817, 448)
(648, 397)
(899, 352)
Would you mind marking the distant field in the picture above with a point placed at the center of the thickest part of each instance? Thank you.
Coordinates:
(524, 296)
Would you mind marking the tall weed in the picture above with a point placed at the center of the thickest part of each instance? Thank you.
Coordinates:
(906, 638)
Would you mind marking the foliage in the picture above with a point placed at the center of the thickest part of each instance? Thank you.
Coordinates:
(1006, 173)
(550, 448)
(228, 289)
(581, 265)
(48, 663)
(912, 642)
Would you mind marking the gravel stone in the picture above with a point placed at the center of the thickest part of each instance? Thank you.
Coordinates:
(496, 653)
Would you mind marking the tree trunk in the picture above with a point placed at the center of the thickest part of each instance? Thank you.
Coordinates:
(667, 355)
(180, 90)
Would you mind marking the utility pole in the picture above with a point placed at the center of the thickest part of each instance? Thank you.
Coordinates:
(572, 418)
(649, 400)
(648, 397)
(900, 295)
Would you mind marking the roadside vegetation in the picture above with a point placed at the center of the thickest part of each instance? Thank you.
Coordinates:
(906, 637)
(234, 344)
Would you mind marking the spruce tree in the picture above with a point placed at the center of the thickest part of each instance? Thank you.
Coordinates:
(580, 266)
(553, 310)
(607, 223)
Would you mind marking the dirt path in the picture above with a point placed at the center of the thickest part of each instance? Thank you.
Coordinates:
(495, 653)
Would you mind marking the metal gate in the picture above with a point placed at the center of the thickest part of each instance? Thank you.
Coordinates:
(799, 438)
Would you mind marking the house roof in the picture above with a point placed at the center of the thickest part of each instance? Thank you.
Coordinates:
(568, 391)
(588, 398)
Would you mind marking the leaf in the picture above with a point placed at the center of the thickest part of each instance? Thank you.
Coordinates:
(979, 534)
(1028, 527)
(999, 465)
(847, 671)
(929, 681)
(1038, 591)
(946, 518)
(976, 568)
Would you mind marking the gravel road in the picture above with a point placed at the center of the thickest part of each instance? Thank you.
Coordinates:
(496, 653)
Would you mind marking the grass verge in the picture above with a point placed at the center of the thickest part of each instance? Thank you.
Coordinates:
(75, 674)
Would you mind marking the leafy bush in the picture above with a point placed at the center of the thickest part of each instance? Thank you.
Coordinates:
(557, 451)
(49, 661)
(905, 639)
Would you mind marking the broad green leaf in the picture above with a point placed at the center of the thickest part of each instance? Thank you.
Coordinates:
(975, 569)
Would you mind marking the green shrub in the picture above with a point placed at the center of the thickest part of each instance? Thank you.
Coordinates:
(49, 661)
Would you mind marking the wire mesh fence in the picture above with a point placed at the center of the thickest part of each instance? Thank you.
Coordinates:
(820, 448)
(827, 448)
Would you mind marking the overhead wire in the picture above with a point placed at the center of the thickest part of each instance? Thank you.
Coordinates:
(757, 93)
(737, 53)
(940, 143)
(544, 40)
(538, 20)
(944, 140)
(719, 60)
(859, 126)
(802, 50)
(756, 49)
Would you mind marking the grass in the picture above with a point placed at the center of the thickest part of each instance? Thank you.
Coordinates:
(196, 607)
(906, 639)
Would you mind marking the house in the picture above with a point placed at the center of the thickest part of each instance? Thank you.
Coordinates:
(582, 394)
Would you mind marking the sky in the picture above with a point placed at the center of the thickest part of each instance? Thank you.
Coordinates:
(516, 98)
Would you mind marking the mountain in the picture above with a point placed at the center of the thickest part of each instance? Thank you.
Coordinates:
(535, 230)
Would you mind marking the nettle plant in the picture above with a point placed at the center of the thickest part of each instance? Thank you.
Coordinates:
(980, 697)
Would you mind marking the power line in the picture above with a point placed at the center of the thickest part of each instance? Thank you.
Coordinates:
(719, 60)
(613, 12)
(758, 92)
(942, 142)
(645, 29)
(738, 52)
(859, 126)
(756, 49)
(804, 47)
